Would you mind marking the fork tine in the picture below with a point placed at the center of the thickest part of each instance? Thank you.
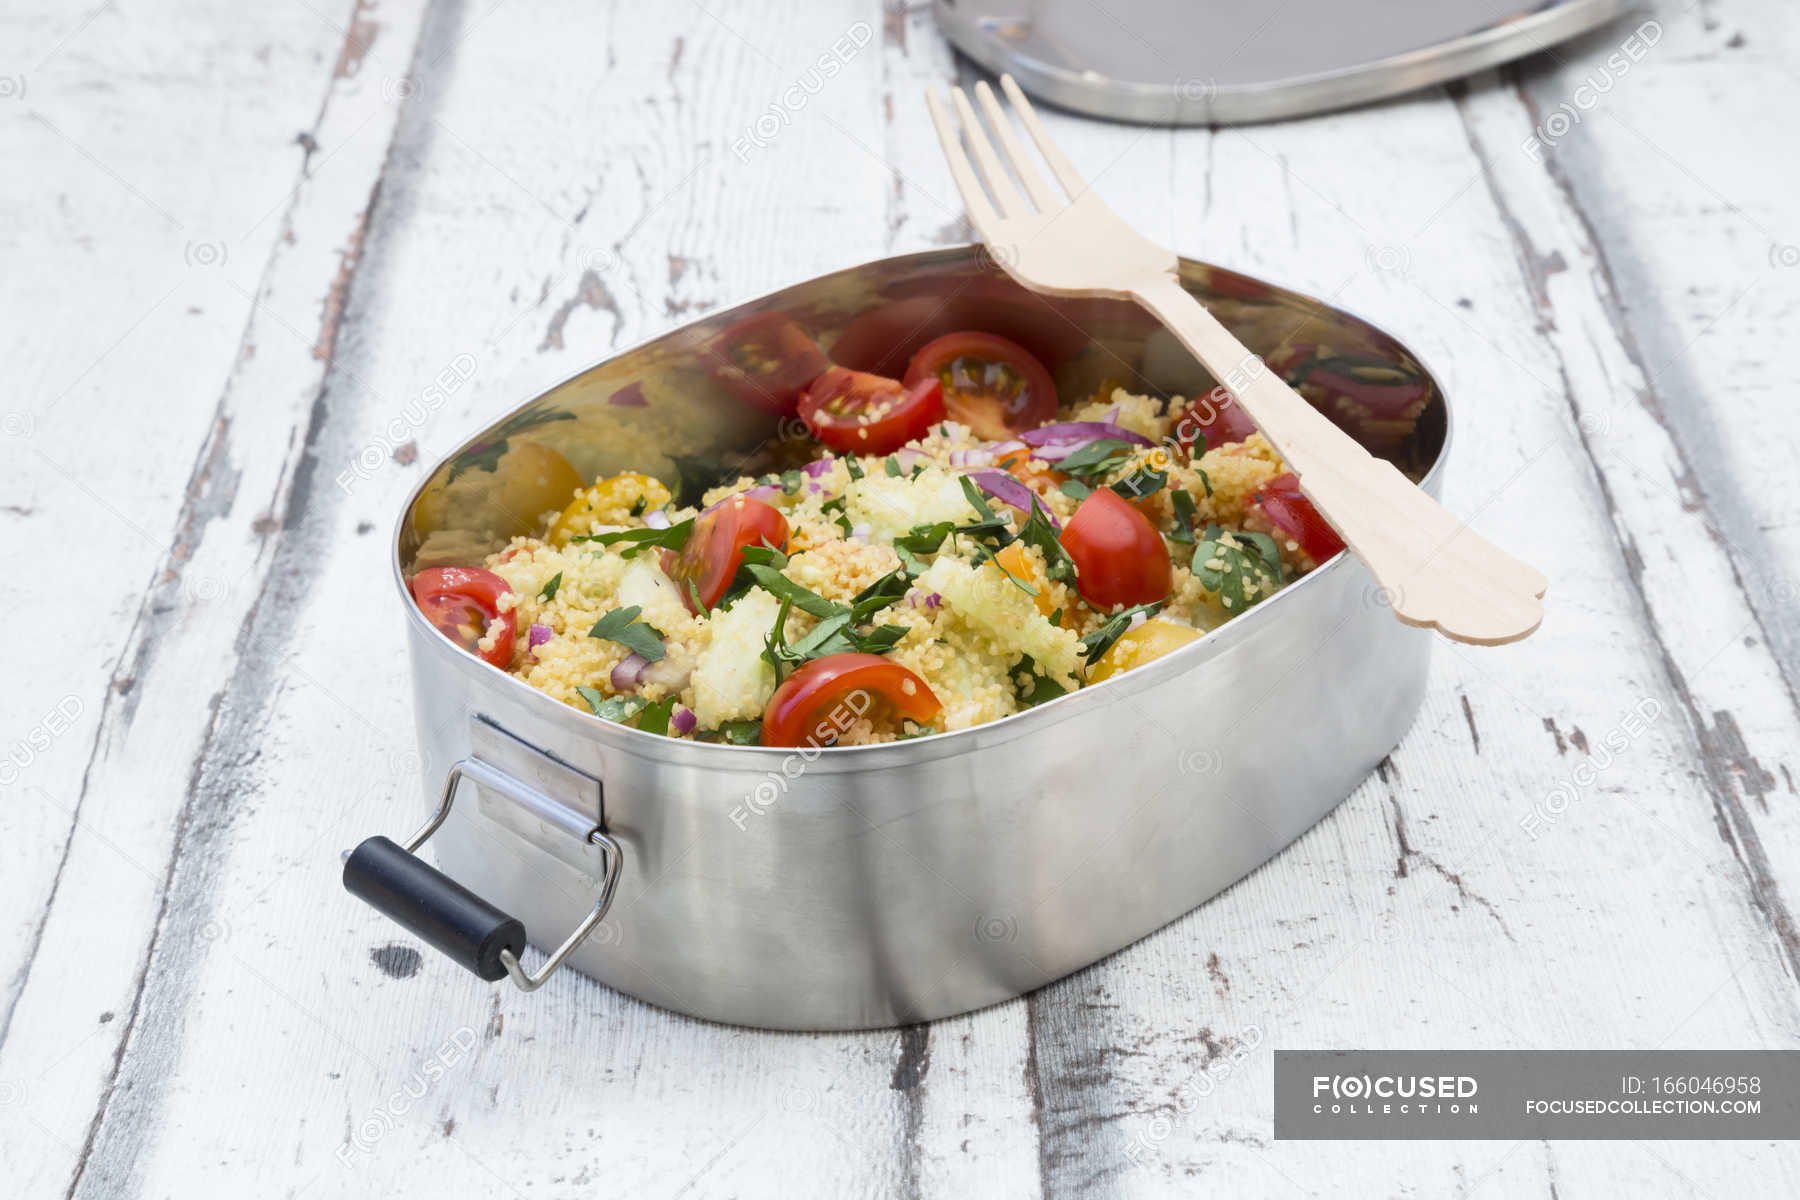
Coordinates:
(1060, 165)
(1041, 193)
(981, 211)
(1006, 196)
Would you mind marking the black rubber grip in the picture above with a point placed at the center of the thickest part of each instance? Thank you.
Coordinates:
(446, 914)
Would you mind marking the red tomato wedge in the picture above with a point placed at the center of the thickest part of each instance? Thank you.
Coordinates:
(995, 387)
(819, 701)
(1290, 511)
(1119, 557)
(1212, 421)
(464, 604)
(854, 412)
(766, 361)
(704, 567)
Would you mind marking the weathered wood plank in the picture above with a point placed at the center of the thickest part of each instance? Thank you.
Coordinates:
(272, 231)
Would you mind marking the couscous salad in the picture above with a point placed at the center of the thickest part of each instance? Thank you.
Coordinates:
(954, 547)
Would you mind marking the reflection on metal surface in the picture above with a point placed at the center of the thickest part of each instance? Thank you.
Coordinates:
(1197, 62)
(888, 884)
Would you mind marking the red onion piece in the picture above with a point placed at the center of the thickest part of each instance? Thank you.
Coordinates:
(539, 635)
(683, 720)
(656, 518)
(1080, 433)
(860, 532)
(818, 467)
(907, 457)
(977, 457)
(1010, 491)
(630, 672)
(629, 396)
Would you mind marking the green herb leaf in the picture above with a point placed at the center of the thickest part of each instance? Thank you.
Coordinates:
(1242, 569)
(853, 466)
(834, 507)
(622, 626)
(736, 733)
(1056, 619)
(1183, 500)
(656, 717)
(765, 555)
(1100, 641)
(1075, 490)
(775, 648)
(636, 541)
(548, 593)
(779, 585)
(639, 505)
(977, 501)
(1101, 456)
(613, 708)
(791, 481)
(923, 539)
(1036, 687)
(879, 595)
(1140, 483)
(893, 466)
(1037, 532)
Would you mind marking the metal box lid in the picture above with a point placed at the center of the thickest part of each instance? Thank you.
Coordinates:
(1223, 62)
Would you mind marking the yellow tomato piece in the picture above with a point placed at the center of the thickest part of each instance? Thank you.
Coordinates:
(1015, 562)
(615, 501)
(527, 481)
(1148, 642)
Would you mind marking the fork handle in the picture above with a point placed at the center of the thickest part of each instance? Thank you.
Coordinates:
(1431, 567)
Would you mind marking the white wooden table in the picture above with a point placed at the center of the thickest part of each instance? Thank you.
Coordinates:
(239, 241)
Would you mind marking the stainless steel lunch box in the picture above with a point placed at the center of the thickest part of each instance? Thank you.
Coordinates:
(884, 885)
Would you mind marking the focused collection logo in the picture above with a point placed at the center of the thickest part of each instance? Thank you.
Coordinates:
(1395, 1095)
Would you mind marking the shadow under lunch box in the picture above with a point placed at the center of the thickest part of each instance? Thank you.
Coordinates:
(888, 884)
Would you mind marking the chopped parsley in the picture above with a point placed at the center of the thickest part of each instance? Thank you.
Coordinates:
(655, 718)
(1101, 640)
(1076, 490)
(736, 733)
(613, 708)
(783, 588)
(854, 467)
(792, 481)
(1242, 569)
(639, 505)
(1140, 483)
(893, 466)
(1100, 457)
(839, 630)
(1033, 686)
(834, 508)
(622, 626)
(636, 541)
(1183, 500)
(548, 593)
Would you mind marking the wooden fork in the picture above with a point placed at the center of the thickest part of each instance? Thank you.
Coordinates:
(1431, 567)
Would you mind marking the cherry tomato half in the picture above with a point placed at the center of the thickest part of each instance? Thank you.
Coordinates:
(1119, 557)
(766, 361)
(1282, 502)
(819, 701)
(1212, 421)
(704, 567)
(464, 604)
(854, 412)
(995, 387)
